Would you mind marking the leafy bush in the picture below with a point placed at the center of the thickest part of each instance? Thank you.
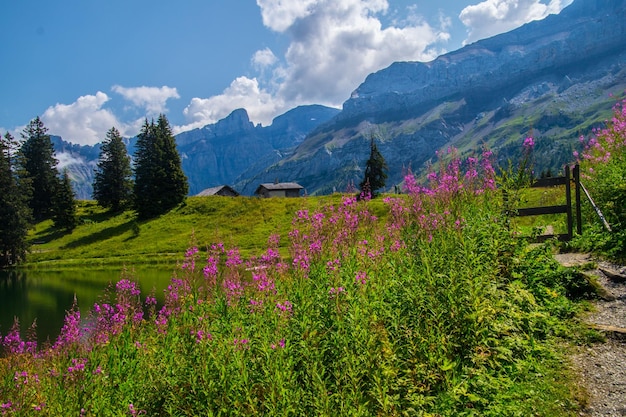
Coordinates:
(603, 171)
(435, 311)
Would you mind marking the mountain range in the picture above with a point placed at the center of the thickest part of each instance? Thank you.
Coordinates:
(550, 79)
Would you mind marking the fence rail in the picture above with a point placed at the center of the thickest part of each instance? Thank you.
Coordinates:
(561, 208)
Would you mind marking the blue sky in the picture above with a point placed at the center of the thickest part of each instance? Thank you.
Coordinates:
(84, 66)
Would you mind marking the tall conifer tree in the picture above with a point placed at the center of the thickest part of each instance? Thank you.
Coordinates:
(160, 183)
(174, 188)
(64, 204)
(14, 210)
(375, 171)
(113, 185)
(146, 189)
(39, 167)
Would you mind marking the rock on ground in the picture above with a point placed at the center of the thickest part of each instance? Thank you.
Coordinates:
(602, 366)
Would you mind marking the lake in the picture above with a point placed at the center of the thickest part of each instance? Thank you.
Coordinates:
(47, 295)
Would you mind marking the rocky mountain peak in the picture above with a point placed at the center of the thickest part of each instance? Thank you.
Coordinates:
(236, 122)
(584, 31)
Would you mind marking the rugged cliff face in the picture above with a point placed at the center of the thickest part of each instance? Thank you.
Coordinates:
(550, 79)
(214, 155)
(494, 69)
(218, 154)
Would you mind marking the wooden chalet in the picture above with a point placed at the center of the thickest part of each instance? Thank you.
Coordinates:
(222, 190)
(279, 189)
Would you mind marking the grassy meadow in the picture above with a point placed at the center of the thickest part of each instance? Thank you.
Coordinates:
(103, 239)
(420, 304)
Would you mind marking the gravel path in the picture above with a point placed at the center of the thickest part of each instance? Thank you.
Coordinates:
(602, 366)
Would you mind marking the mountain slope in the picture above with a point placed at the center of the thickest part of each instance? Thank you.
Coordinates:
(549, 78)
(214, 155)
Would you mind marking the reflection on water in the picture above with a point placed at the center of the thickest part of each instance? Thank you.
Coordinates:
(45, 296)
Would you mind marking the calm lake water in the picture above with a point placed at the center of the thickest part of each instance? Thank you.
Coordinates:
(45, 296)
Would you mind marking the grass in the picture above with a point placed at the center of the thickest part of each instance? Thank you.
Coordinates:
(540, 197)
(104, 240)
(419, 305)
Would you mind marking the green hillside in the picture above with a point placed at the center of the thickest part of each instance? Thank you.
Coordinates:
(104, 239)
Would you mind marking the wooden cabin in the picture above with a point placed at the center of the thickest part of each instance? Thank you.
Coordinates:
(279, 189)
(222, 190)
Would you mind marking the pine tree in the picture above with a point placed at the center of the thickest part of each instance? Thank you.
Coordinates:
(146, 187)
(160, 183)
(174, 188)
(375, 171)
(64, 204)
(39, 167)
(14, 210)
(113, 185)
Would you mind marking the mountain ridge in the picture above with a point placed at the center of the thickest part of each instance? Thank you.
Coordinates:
(564, 66)
(549, 78)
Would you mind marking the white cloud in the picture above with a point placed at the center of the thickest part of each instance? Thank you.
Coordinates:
(66, 159)
(152, 99)
(492, 17)
(334, 45)
(84, 121)
(264, 58)
(279, 15)
(242, 93)
(339, 43)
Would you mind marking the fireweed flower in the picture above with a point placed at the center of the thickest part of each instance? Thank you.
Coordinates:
(14, 344)
(263, 282)
(21, 378)
(241, 343)
(281, 344)
(333, 265)
(529, 143)
(201, 335)
(361, 278)
(71, 331)
(336, 291)
(233, 258)
(285, 308)
(134, 412)
(271, 256)
(190, 262)
(78, 365)
(255, 305)
(127, 286)
(210, 270)
(233, 290)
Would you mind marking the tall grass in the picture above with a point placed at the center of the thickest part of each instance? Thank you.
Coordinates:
(106, 239)
(434, 311)
(603, 171)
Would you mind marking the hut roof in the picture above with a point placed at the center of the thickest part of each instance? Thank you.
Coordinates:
(216, 191)
(281, 186)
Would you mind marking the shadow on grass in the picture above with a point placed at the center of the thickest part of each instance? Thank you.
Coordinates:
(48, 235)
(101, 235)
(99, 217)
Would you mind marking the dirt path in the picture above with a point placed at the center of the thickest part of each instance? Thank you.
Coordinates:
(602, 366)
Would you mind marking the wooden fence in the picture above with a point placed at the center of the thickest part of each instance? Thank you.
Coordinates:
(569, 208)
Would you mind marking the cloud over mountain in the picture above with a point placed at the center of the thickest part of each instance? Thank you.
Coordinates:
(83, 121)
(333, 46)
(327, 48)
(491, 17)
(152, 99)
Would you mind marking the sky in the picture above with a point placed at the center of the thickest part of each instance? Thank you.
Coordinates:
(85, 66)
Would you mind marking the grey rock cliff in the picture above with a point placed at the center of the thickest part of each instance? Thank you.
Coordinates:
(548, 78)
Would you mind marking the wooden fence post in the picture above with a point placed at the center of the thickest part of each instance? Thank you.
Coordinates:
(579, 221)
(568, 198)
